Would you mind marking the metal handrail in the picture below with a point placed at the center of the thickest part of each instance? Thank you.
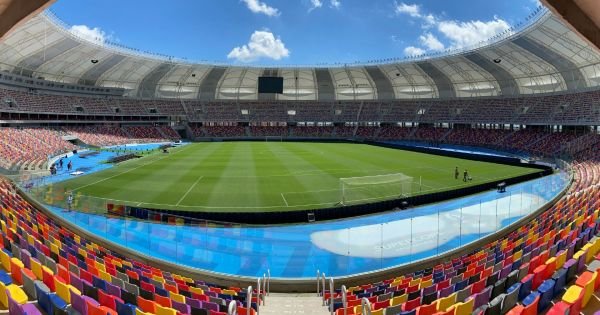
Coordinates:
(366, 306)
(330, 294)
(268, 282)
(344, 299)
(258, 295)
(249, 299)
(318, 283)
(232, 308)
(264, 286)
(323, 287)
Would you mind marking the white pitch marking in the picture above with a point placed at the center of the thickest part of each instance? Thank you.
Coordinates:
(284, 200)
(189, 190)
(127, 171)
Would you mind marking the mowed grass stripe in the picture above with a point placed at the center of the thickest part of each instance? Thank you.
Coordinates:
(319, 179)
(213, 170)
(252, 176)
(107, 182)
(236, 192)
(285, 164)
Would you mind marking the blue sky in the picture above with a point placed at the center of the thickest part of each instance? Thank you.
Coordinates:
(275, 32)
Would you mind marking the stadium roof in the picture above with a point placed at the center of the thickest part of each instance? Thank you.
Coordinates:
(544, 57)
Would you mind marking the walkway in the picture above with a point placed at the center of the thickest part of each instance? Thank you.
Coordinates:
(297, 303)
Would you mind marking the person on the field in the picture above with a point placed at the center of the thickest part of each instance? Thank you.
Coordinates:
(60, 163)
(465, 176)
(456, 172)
(70, 166)
(69, 201)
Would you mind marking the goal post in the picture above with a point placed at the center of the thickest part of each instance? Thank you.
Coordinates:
(374, 188)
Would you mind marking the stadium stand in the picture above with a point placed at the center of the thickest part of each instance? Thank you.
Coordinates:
(30, 147)
(552, 258)
(151, 133)
(546, 110)
(100, 135)
(549, 265)
(311, 132)
(47, 269)
(220, 131)
(269, 131)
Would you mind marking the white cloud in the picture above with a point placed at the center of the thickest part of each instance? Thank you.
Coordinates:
(413, 51)
(431, 42)
(411, 9)
(92, 34)
(315, 4)
(263, 44)
(463, 34)
(257, 6)
(457, 34)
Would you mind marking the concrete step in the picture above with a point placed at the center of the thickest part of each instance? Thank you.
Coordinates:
(293, 303)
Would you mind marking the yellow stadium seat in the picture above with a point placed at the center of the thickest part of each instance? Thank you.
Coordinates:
(229, 292)
(62, 290)
(587, 281)
(590, 252)
(54, 249)
(158, 278)
(177, 297)
(378, 312)
(15, 292)
(465, 308)
(572, 294)
(196, 290)
(36, 268)
(30, 240)
(444, 303)
(5, 260)
(399, 300)
(165, 310)
(140, 312)
(100, 266)
(105, 276)
(517, 255)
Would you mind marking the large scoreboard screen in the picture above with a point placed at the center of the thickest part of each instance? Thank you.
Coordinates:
(270, 85)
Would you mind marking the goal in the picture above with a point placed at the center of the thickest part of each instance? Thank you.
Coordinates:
(374, 188)
(273, 138)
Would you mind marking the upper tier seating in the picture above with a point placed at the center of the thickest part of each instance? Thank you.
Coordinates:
(576, 108)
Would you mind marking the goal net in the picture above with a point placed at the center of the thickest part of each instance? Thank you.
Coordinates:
(374, 188)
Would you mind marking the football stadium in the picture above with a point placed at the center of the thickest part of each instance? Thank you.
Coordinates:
(459, 176)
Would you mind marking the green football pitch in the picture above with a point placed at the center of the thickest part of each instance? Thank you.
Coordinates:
(277, 176)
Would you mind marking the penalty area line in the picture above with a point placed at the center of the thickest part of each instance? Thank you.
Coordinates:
(284, 200)
(189, 190)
